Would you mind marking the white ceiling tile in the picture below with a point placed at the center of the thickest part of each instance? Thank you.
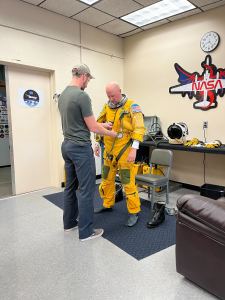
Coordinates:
(155, 24)
(214, 5)
(147, 2)
(106, 14)
(93, 17)
(118, 8)
(117, 27)
(131, 32)
(67, 8)
(36, 2)
(200, 3)
(186, 14)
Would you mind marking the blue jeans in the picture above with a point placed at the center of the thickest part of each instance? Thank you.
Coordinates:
(80, 174)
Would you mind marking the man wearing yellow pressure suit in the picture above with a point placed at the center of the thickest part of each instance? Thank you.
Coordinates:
(120, 152)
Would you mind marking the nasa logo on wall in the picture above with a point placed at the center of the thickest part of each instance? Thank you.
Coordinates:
(31, 98)
(204, 87)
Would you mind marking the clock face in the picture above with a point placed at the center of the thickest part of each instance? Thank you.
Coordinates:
(209, 41)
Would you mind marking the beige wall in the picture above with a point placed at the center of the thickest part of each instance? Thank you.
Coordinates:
(32, 36)
(36, 37)
(149, 72)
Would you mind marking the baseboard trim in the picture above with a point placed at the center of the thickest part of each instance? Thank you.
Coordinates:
(191, 187)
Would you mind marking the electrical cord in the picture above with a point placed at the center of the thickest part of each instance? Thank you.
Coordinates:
(204, 163)
(204, 156)
(204, 134)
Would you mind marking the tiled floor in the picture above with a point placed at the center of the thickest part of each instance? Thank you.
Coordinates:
(39, 261)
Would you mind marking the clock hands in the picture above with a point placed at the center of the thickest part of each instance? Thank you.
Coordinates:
(209, 41)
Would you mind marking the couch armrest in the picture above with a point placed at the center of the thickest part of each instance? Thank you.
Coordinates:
(205, 210)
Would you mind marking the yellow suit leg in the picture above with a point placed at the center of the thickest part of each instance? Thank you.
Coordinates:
(107, 186)
(127, 173)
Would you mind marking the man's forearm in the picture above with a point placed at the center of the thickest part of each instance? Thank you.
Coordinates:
(99, 129)
(96, 127)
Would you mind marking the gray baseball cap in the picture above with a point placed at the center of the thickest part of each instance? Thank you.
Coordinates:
(82, 69)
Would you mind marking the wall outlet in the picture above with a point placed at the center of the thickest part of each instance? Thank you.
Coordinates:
(205, 124)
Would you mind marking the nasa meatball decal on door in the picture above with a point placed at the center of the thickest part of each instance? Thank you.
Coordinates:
(30, 98)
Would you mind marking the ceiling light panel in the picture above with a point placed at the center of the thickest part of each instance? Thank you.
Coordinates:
(90, 2)
(158, 11)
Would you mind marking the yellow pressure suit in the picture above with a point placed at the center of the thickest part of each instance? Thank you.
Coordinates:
(128, 121)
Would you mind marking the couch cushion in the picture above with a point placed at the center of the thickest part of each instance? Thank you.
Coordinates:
(205, 210)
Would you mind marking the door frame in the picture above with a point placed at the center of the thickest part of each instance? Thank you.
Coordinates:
(53, 118)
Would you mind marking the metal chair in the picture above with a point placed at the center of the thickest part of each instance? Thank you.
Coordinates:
(159, 157)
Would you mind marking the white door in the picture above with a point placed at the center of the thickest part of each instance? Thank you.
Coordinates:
(28, 92)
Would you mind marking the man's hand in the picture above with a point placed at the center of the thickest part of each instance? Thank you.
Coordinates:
(97, 150)
(132, 155)
(113, 134)
(107, 125)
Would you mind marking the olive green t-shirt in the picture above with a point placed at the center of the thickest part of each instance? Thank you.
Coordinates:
(74, 104)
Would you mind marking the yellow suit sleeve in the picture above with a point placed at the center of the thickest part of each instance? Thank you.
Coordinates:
(138, 126)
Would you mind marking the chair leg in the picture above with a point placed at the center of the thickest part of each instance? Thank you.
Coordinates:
(167, 194)
(152, 201)
(148, 192)
(169, 210)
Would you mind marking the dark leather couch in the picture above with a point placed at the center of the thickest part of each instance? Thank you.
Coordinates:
(200, 242)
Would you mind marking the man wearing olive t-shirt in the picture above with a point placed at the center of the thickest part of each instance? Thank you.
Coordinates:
(77, 123)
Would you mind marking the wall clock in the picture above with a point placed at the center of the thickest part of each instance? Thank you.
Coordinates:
(209, 41)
